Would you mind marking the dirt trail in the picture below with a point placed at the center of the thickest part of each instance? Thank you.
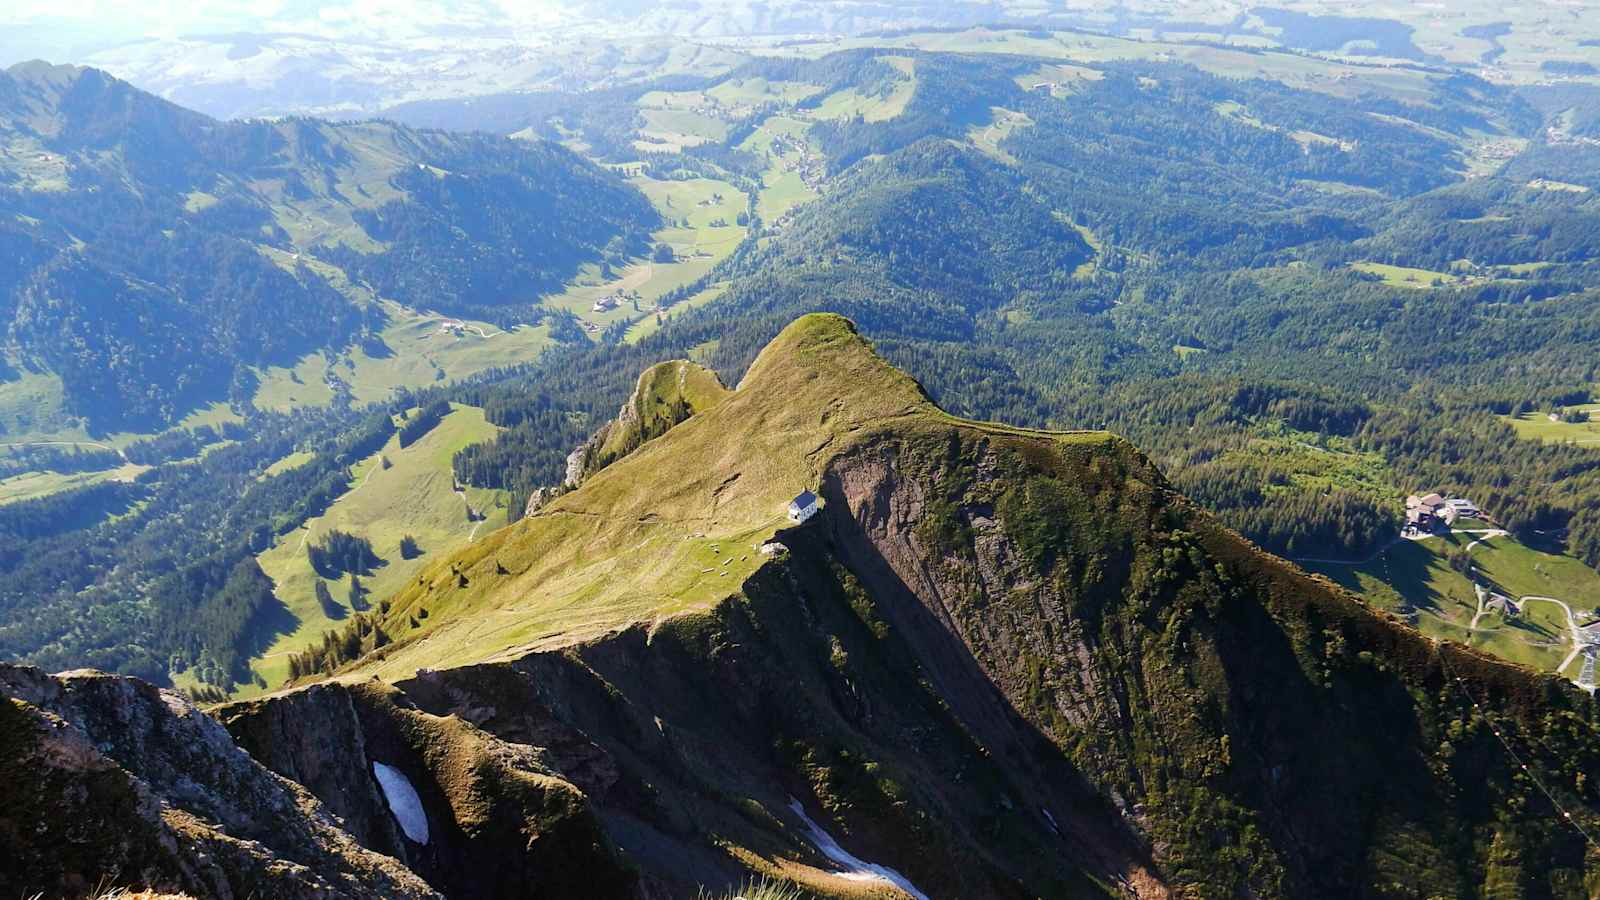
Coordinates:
(1572, 623)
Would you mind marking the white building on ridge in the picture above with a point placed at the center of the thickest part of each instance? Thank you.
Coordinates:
(803, 507)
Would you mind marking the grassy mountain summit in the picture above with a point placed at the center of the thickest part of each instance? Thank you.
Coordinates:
(1021, 649)
(161, 256)
(671, 527)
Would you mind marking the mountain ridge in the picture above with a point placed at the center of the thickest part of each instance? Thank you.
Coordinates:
(244, 245)
(1191, 715)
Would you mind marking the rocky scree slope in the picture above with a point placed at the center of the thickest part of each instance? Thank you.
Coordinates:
(1020, 648)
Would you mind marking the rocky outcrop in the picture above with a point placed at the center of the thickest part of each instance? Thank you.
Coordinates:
(500, 821)
(667, 394)
(538, 497)
(108, 781)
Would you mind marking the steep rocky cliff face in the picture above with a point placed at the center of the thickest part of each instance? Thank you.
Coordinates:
(1269, 735)
(1000, 663)
(109, 782)
(690, 741)
(498, 820)
(1010, 666)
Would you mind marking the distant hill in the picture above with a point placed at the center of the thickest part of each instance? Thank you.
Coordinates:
(154, 254)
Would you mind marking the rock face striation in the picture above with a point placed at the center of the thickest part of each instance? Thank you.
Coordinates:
(999, 663)
(109, 781)
(497, 819)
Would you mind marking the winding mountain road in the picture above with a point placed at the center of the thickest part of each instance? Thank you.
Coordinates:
(1578, 642)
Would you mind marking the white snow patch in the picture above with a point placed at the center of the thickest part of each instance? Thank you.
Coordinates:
(855, 869)
(403, 801)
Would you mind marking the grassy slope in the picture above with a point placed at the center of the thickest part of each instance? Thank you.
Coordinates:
(849, 103)
(690, 207)
(1536, 426)
(1414, 576)
(33, 485)
(672, 528)
(414, 496)
(782, 188)
(421, 352)
(1214, 661)
(662, 391)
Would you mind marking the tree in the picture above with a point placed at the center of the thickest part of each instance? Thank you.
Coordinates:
(330, 607)
(409, 548)
(663, 254)
(357, 594)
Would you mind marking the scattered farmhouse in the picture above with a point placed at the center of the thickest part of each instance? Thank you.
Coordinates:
(1429, 512)
(803, 507)
(609, 302)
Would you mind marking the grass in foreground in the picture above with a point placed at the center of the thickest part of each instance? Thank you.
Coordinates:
(764, 889)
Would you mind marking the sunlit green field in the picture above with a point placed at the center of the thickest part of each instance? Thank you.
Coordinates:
(1415, 578)
(1537, 426)
(782, 187)
(33, 485)
(702, 229)
(650, 324)
(850, 102)
(413, 496)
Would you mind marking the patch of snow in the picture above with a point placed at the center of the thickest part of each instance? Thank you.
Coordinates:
(855, 869)
(403, 801)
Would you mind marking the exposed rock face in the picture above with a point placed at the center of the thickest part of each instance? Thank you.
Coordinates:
(500, 822)
(1192, 679)
(108, 781)
(538, 498)
(687, 744)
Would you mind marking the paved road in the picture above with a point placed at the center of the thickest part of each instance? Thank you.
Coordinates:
(1487, 534)
(1572, 623)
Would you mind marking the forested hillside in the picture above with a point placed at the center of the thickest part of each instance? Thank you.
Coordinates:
(1306, 303)
(156, 257)
(1306, 289)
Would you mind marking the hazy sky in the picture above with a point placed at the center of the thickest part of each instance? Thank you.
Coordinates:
(334, 18)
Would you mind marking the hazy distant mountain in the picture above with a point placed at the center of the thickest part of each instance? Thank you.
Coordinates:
(154, 253)
(298, 62)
